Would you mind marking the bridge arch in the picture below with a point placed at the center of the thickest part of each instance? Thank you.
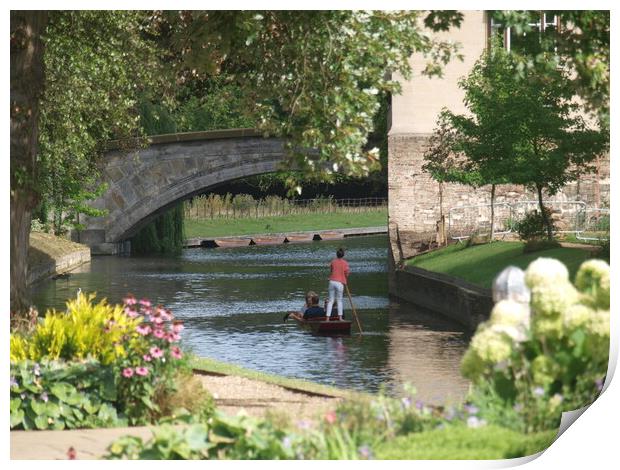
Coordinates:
(142, 183)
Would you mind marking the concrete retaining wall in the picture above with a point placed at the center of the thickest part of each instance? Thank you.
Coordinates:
(60, 265)
(447, 295)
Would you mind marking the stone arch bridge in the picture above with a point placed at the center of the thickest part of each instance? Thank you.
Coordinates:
(145, 182)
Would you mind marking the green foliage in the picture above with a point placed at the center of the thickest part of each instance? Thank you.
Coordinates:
(311, 76)
(462, 443)
(222, 437)
(580, 45)
(83, 331)
(165, 234)
(59, 395)
(96, 63)
(532, 226)
(520, 129)
(552, 355)
(128, 351)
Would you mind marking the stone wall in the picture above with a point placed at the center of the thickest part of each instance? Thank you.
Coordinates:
(415, 202)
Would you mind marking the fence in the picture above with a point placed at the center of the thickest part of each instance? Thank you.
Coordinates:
(240, 206)
(595, 225)
(567, 216)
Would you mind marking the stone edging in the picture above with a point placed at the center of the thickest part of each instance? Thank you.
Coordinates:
(60, 265)
(450, 296)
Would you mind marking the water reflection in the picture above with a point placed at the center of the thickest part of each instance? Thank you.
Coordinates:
(233, 300)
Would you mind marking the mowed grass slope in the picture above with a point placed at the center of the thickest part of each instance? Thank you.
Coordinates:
(462, 443)
(481, 263)
(281, 224)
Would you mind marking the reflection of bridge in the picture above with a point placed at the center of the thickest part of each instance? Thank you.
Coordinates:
(145, 182)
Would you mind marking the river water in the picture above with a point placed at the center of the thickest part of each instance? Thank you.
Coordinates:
(232, 302)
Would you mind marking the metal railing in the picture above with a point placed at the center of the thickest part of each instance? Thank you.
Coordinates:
(568, 217)
(595, 225)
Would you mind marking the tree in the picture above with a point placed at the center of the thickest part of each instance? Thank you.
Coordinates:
(312, 77)
(98, 64)
(581, 44)
(475, 149)
(523, 130)
(27, 79)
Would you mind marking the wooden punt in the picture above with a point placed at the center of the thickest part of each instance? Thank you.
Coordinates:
(268, 240)
(300, 238)
(232, 242)
(323, 326)
(331, 235)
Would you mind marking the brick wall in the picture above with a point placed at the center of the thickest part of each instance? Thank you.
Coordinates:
(414, 197)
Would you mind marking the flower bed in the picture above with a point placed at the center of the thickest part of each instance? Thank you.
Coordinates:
(99, 365)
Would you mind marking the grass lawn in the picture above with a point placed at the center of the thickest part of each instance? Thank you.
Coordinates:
(460, 443)
(288, 223)
(480, 264)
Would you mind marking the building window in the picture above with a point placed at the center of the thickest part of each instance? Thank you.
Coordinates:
(543, 26)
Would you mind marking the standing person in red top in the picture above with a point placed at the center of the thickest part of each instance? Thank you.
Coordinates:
(337, 281)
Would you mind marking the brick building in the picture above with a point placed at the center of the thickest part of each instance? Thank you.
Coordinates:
(414, 197)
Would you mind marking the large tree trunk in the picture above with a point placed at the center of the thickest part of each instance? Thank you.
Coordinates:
(543, 213)
(27, 79)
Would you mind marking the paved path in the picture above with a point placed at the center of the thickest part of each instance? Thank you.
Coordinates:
(231, 394)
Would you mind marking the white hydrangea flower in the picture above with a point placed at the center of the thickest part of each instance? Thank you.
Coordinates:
(516, 333)
(510, 313)
(545, 271)
(491, 345)
(552, 299)
(593, 278)
(576, 316)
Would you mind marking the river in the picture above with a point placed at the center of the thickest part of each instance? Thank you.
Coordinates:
(232, 302)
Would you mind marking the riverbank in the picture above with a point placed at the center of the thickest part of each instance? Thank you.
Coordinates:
(49, 255)
(220, 227)
(480, 264)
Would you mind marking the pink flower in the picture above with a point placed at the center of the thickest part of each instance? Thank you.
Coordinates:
(143, 329)
(177, 327)
(156, 352)
(175, 351)
(130, 312)
(142, 371)
(173, 337)
(159, 333)
(158, 320)
(147, 358)
(145, 303)
(330, 417)
(129, 300)
(127, 372)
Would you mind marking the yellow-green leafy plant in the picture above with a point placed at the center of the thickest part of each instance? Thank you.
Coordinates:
(550, 355)
(86, 330)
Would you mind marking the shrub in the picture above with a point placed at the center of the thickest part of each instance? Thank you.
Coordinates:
(552, 356)
(59, 395)
(134, 344)
(223, 437)
(84, 331)
(151, 363)
(532, 226)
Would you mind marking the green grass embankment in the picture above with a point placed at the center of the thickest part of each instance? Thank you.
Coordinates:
(282, 224)
(462, 443)
(481, 263)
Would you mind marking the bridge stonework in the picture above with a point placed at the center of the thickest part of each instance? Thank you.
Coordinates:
(143, 183)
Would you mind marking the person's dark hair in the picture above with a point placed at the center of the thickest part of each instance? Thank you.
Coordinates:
(314, 299)
(340, 253)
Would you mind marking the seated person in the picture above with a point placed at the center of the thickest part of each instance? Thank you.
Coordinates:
(313, 310)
